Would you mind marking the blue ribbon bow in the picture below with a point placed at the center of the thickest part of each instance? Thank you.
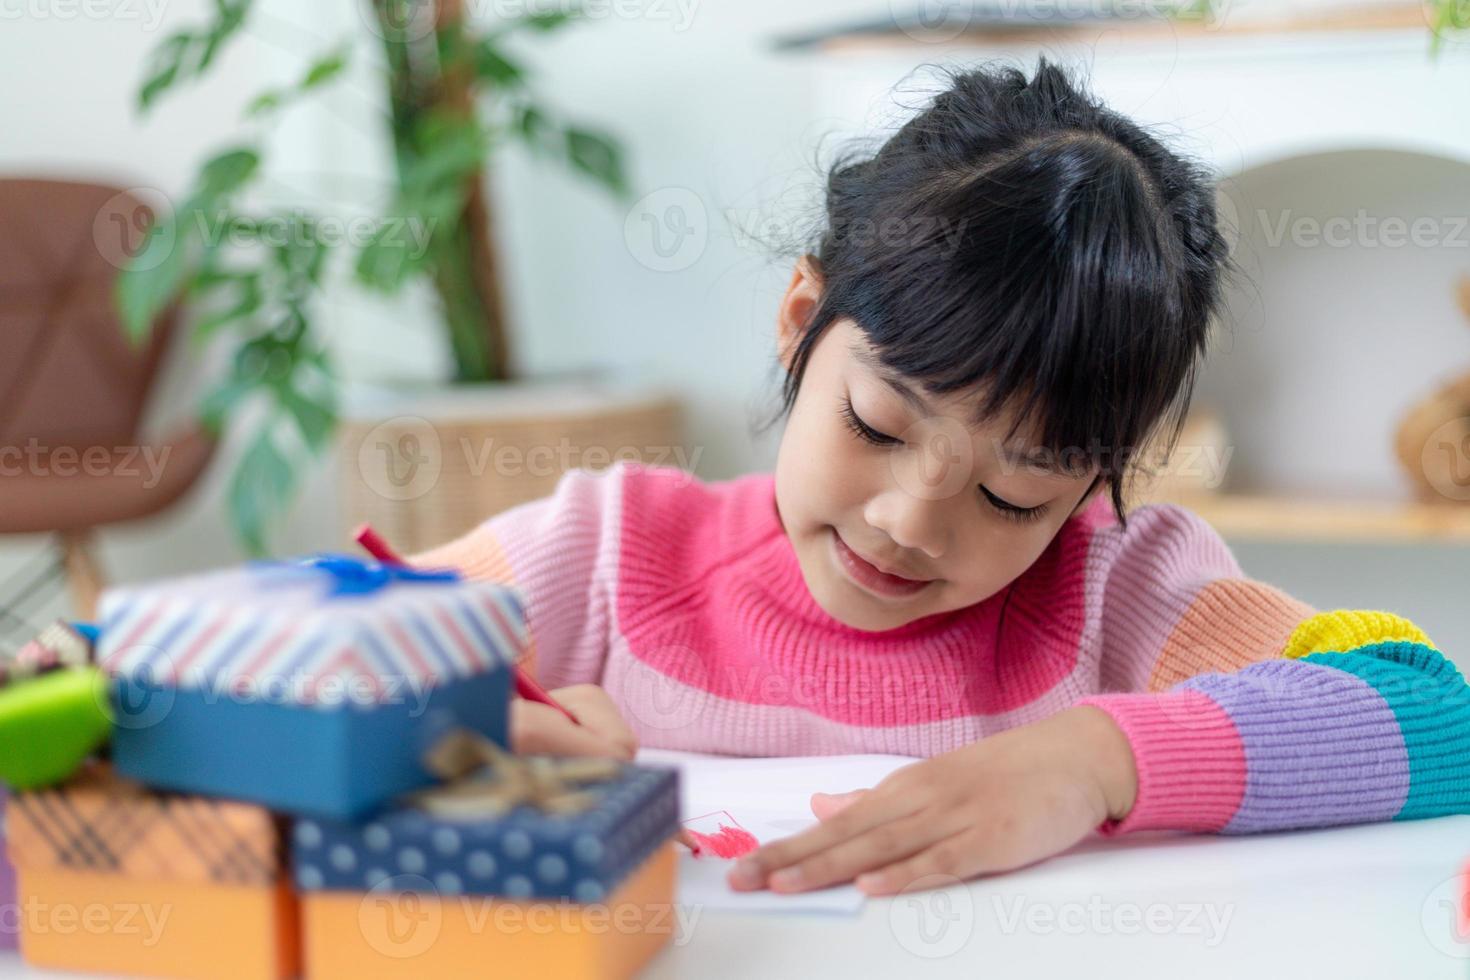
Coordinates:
(353, 576)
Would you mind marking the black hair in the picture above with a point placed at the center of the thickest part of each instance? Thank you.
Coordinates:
(1019, 235)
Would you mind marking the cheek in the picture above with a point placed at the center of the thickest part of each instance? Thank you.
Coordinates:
(826, 466)
(996, 556)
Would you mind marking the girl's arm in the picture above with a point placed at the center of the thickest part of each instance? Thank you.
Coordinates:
(558, 553)
(1246, 710)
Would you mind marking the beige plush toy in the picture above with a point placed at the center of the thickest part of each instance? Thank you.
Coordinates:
(1433, 440)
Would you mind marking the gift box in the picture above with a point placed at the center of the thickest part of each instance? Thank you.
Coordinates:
(113, 877)
(531, 869)
(312, 687)
(9, 911)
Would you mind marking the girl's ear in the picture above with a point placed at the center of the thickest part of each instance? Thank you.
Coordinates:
(797, 307)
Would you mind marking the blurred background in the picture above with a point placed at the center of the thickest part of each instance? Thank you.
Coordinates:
(269, 269)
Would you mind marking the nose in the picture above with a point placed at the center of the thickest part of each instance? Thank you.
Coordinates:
(911, 521)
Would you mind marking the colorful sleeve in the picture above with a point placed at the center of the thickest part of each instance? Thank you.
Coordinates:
(559, 554)
(1249, 711)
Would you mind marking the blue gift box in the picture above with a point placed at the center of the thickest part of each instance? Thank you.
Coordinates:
(522, 853)
(312, 687)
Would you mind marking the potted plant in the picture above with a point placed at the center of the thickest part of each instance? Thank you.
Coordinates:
(427, 465)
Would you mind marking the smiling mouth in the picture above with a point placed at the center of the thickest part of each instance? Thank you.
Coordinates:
(870, 577)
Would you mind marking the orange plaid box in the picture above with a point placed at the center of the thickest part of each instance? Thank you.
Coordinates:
(114, 877)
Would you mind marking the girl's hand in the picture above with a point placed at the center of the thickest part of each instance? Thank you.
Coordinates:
(537, 728)
(1001, 803)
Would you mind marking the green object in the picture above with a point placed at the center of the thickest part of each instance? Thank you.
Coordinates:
(50, 724)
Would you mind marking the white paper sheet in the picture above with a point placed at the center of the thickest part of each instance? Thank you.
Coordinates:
(771, 798)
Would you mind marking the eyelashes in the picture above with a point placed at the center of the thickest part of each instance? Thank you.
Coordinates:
(870, 435)
(863, 430)
(1024, 515)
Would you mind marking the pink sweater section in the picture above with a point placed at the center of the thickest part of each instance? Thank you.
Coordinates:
(685, 600)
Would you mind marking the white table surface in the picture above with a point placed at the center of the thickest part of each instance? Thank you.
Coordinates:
(1373, 901)
(1370, 902)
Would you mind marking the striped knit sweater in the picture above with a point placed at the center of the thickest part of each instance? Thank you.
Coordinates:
(1246, 709)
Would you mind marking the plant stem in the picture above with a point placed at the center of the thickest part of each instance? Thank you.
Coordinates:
(465, 267)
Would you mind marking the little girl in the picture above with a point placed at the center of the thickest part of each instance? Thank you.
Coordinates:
(1009, 298)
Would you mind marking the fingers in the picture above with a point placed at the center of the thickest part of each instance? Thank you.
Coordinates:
(825, 805)
(873, 810)
(540, 729)
(958, 856)
(597, 711)
(878, 847)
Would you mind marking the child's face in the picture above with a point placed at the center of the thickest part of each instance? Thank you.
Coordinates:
(917, 523)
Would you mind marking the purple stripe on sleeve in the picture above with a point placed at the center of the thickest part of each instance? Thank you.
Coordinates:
(1322, 747)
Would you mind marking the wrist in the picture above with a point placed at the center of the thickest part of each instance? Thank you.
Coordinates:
(1107, 759)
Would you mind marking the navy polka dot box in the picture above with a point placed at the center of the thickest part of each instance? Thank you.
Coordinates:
(565, 867)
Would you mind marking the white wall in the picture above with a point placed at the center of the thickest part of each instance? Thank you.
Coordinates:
(699, 101)
(710, 117)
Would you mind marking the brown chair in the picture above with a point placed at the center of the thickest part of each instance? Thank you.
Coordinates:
(72, 388)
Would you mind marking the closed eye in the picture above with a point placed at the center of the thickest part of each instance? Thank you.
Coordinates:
(1013, 511)
(862, 429)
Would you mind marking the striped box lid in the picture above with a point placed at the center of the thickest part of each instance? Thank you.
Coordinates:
(287, 631)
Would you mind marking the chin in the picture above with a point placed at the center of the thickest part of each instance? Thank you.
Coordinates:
(860, 612)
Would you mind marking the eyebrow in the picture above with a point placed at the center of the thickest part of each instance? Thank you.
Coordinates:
(1035, 456)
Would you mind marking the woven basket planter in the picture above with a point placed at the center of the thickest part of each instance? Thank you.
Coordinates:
(424, 467)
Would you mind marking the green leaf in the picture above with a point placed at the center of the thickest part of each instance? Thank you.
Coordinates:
(494, 67)
(598, 157)
(164, 65)
(226, 172)
(320, 72)
(248, 301)
(316, 418)
(531, 124)
(386, 262)
(546, 22)
(189, 53)
(220, 402)
(450, 148)
(325, 69)
(265, 102)
(260, 489)
(153, 278)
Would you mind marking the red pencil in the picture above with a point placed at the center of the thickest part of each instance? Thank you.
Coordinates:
(526, 685)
